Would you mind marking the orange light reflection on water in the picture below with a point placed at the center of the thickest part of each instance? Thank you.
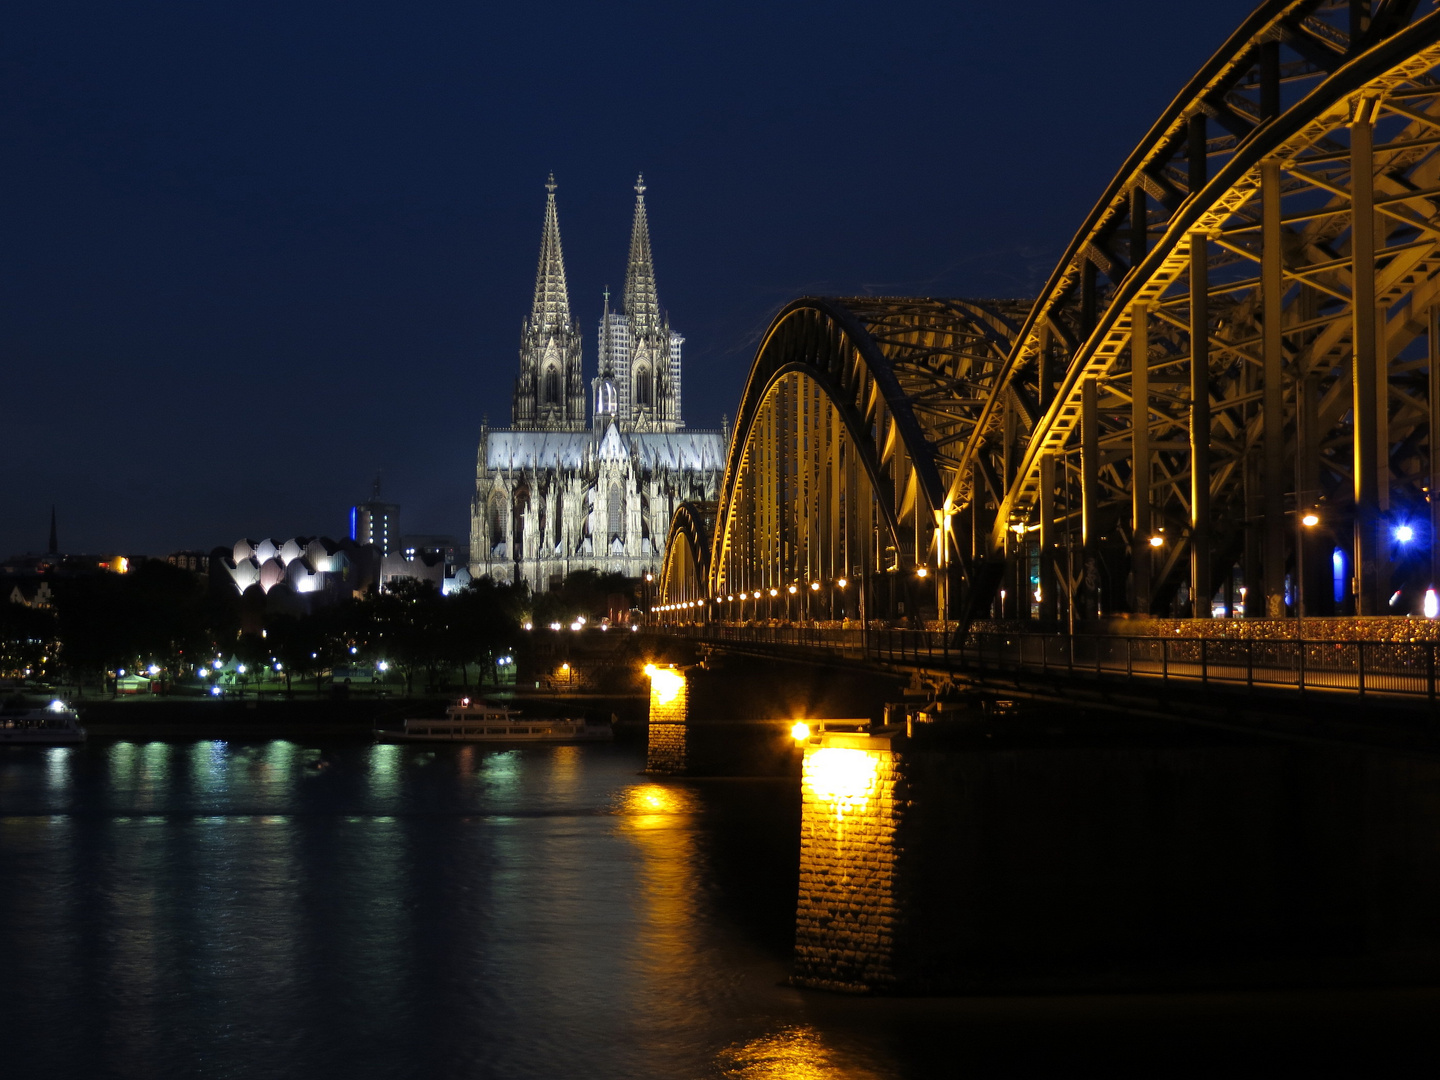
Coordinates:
(793, 1053)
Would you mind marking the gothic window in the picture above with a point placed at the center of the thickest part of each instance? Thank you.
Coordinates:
(522, 510)
(552, 386)
(616, 514)
(497, 522)
(642, 386)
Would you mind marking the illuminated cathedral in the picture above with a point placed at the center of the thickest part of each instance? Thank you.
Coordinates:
(558, 491)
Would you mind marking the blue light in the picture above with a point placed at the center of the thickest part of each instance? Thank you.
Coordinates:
(1337, 564)
(1404, 533)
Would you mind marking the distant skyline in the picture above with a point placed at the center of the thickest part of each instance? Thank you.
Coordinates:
(258, 255)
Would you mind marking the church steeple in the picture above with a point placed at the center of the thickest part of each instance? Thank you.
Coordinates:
(650, 398)
(552, 299)
(549, 393)
(641, 302)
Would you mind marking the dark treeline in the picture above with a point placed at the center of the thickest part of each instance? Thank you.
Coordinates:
(162, 616)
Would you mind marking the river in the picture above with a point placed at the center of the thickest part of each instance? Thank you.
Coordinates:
(287, 909)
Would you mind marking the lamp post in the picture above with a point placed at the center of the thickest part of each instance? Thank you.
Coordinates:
(1308, 520)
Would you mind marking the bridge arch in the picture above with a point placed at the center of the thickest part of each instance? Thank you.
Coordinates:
(1242, 322)
(684, 579)
(850, 425)
(1244, 330)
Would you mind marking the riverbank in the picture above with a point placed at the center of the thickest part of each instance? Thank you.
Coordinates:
(311, 716)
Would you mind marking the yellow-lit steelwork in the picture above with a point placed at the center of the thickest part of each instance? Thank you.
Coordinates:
(1246, 325)
(687, 555)
(849, 433)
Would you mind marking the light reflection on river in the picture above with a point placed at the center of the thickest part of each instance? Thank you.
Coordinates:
(278, 909)
(288, 910)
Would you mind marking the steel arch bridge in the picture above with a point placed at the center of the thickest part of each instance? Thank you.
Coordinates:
(1241, 336)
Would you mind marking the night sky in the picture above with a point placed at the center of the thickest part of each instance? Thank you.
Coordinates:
(255, 254)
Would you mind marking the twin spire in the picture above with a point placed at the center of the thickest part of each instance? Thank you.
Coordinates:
(642, 302)
(552, 298)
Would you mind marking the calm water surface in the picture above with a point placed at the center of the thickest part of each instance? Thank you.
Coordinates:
(286, 910)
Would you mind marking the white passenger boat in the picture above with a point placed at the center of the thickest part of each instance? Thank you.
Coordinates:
(55, 724)
(476, 720)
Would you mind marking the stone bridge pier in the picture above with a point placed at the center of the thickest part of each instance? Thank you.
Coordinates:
(1014, 854)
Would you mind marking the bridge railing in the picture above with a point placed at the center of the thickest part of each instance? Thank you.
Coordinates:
(1406, 668)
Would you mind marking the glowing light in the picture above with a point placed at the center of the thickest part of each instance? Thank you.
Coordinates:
(56, 706)
(241, 669)
(218, 665)
(1432, 604)
(1404, 533)
(814, 586)
(793, 590)
(922, 571)
(843, 777)
(216, 691)
(774, 592)
(564, 667)
(1310, 520)
(154, 669)
(383, 665)
(800, 731)
(665, 684)
(634, 627)
(842, 583)
(200, 673)
(527, 625)
(1157, 541)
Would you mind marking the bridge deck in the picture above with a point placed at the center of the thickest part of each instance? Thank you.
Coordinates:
(1394, 670)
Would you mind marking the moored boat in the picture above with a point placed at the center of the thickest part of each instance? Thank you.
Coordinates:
(476, 720)
(56, 724)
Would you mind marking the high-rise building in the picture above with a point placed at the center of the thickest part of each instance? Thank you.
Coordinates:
(555, 493)
(375, 522)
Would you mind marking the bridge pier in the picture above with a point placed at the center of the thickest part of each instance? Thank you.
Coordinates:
(1023, 852)
(668, 730)
(845, 921)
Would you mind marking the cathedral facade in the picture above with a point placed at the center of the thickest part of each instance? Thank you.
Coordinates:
(559, 491)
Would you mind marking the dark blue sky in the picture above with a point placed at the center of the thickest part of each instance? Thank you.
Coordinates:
(255, 253)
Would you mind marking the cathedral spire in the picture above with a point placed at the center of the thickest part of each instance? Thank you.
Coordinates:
(552, 298)
(549, 394)
(641, 302)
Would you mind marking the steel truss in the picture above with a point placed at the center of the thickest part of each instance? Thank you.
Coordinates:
(856, 413)
(1146, 430)
(685, 578)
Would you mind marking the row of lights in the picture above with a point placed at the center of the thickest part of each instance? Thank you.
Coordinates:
(758, 594)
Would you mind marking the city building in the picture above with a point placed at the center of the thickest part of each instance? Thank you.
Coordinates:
(558, 492)
(312, 567)
(454, 553)
(424, 564)
(376, 522)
